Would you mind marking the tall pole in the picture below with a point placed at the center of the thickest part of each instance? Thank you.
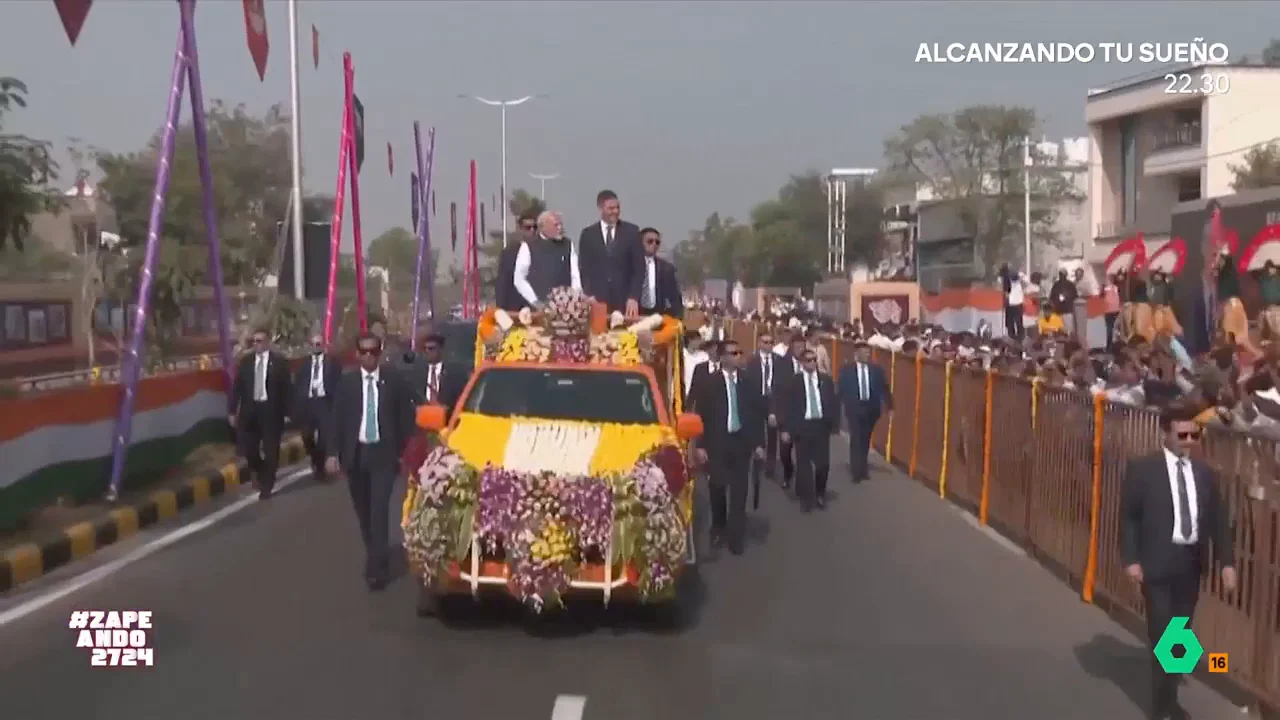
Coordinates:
(502, 208)
(504, 104)
(299, 286)
(1026, 205)
(542, 180)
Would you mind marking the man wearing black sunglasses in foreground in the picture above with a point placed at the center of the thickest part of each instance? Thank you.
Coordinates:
(659, 288)
(507, 297)
(372, 421)
(1171, 509)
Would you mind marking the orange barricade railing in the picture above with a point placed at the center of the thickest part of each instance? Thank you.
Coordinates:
(1044, 466)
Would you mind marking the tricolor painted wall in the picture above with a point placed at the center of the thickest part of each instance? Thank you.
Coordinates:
(958, 310)
(59, 444)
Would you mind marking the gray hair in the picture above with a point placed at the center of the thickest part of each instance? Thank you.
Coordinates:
(546, 215)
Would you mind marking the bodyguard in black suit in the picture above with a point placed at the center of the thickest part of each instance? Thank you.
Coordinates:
(788, 369)
(1170, 510)
(811, 418)
(314, 386)
(259, 405)
(505, 293)
(436, 382)
(865, 395)
(730, 409)
(659, 288)
(612, 256)
(762, 371)
(702, 375)
(373, 420)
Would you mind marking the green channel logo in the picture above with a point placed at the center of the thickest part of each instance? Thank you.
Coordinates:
(1177, 633)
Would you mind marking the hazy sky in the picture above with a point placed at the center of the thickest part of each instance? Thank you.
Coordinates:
(683, 108)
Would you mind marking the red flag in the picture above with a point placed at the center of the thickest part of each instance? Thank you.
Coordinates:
(72, 13)
(255, 31)
(391, 161)
(315, 47)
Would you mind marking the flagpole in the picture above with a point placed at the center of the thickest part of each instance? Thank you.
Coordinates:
(299, 286)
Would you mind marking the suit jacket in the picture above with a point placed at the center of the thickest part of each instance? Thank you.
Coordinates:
(505, 292)
(698, 386)
(714, 409)
(784, 376)
(850, 391)
(781, 373)
(668, 300)
(795, 397)
(614, 274)
(453, 379)
(278, 385)
(1146, 520)
(396, 421)
(332, 370)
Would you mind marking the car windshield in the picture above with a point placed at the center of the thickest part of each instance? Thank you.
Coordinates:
(563, 394)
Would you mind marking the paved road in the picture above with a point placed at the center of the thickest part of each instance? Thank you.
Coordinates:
(890, 606)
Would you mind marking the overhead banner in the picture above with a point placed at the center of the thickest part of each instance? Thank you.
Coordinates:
(72, 13)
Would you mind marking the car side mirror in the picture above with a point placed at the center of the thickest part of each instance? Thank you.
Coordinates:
(432, 417)
(689, 426)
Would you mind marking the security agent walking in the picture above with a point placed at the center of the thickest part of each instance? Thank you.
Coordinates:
(1171, 509)
(809, 420)
(730, 408)
(436, 382)
(259, 405)
(788, 369)
(313, 391)
(761, 371)
(864, 395)
(373, 419)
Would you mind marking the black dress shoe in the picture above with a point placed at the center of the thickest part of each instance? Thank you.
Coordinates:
(265, 494)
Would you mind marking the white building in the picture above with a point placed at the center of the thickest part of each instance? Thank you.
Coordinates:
(1161, 140)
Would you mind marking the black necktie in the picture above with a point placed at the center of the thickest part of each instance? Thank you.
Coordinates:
(609, 240)
(1184, 501)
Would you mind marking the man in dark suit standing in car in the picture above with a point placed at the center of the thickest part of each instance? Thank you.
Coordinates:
(313, 390)
(612, 258)
(259, 405)
(373, 420)
(1171, 509)
(659, 288)
(505, 293)
(810, 419)
(864, 395)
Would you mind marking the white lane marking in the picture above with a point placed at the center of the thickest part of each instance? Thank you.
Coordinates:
(86, 579)
(569, 707)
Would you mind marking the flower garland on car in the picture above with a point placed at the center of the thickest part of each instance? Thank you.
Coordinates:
(544, 525)
(569, 446)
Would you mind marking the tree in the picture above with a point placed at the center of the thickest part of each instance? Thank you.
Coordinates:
(26, 172)
(1260, 168)
(397, 251)
(973, 158)
(1270, 55)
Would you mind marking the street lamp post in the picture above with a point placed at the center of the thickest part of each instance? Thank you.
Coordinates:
(542, 181)
(504, 104)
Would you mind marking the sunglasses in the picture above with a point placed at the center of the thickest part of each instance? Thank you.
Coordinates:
(528, 227)
(734, 352)
(811, 359)
(369, 351)
(1193, 435)
(652, 241)
(431, 347)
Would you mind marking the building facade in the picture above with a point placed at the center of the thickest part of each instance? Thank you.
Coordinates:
(1163, 140)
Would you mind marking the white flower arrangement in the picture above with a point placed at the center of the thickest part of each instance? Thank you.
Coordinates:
(561, 448)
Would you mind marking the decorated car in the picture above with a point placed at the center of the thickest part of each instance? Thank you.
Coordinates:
(563, 467)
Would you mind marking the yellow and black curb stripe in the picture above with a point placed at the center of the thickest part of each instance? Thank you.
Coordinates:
(27, 562)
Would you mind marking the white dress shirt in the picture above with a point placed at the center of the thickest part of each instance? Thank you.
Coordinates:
(650, 296)
(317, 376)
(604, 233)
(864, 382)
(813, 396)
(766, 372)
(1171, 462)
(524, 261)
(364, 399)
(433, 382)
(260, 365)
